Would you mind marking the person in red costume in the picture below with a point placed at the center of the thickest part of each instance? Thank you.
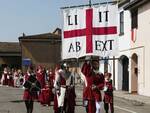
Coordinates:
(94, 83)
(56, 108)
(11, 78)
(5, 77)
(44, 96)
(108, 93)
(41, 76)
(29, 96)
(51, 75)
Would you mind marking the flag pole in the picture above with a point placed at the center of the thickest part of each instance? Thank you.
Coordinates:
(90, 3)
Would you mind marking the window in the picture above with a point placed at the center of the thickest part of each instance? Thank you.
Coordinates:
(134, 19)
(121, 23)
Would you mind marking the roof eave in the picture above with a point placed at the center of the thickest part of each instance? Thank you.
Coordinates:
(122, 3)
(135, 4)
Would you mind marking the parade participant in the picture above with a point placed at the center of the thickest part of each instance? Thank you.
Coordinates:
(44, 96)
(40, 76)
(11, 78)
(98, 85)
(51, 76)
(5, 76)
(108, 93)
(70, 91)
(60, 86)
(29, 95)
(88, 98)
(94, 83)
(16, 78)
(56, 109)
(21, 78)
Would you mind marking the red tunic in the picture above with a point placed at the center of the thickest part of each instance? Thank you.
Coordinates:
(29, 95)
(55, 107)
(11, 80)
(44, 96)
(92, 79)
(99, 83)
(51, 80)
(87, 91)
(108, 95)
(62, 81)
(41, 78)
(5, 81)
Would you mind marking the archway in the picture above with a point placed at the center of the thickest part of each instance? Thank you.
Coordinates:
(125, 73)
(134, 73)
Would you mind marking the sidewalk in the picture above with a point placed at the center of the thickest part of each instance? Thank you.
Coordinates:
(134, 98)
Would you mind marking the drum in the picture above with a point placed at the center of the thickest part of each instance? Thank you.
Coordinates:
(32, 84)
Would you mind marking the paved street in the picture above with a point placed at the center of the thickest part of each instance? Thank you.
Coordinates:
(11, 102)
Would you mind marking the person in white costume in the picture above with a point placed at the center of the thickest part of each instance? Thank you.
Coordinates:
(62, 81)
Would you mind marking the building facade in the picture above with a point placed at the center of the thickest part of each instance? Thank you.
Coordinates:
(42, 49)
(10, 55)
(140, 47)
(131, 67)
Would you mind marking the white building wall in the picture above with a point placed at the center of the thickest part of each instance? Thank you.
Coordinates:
(143, 39)
(141, 47)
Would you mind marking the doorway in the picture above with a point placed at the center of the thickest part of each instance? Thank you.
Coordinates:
(134, 73)
(125, 73)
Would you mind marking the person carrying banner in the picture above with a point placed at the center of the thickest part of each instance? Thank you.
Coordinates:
(29, 95)
(108, 93)
(94, 83)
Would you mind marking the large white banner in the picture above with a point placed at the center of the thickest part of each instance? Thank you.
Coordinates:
(90, 31)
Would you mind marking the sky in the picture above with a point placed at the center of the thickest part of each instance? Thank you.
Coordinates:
(32, 16)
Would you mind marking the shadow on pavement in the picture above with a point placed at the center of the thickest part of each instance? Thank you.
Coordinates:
(16, 101)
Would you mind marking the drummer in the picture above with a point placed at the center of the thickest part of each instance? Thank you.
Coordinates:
(29, 96)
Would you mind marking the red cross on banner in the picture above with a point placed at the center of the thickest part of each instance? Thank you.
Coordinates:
(90, 30)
